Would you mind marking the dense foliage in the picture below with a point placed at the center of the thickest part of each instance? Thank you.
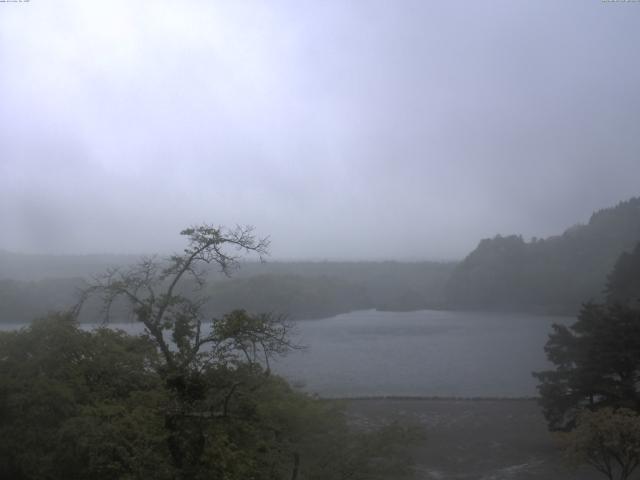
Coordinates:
(608, 440)
(597, 362)
(597, 359)
(623, 286)
(194, 398)
(76, 404)
(593, 394)
(556, 274)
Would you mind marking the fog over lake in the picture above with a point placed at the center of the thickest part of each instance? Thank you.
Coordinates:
(422, 353)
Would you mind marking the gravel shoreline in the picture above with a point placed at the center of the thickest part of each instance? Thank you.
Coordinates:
(479, 438)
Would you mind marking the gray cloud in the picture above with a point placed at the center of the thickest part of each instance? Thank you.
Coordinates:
(370, 129)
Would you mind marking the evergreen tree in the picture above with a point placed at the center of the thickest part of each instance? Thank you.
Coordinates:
(597, 363)
(623, 286)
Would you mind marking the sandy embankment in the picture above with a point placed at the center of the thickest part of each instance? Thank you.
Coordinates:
(481, 439)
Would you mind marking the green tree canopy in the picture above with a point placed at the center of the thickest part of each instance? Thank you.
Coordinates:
(597, 362)
(193, 398)
(75, 404)
(608, 440)
(623, 285)
(78, 404)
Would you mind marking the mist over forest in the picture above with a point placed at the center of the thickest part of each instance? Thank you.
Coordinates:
(554, 275)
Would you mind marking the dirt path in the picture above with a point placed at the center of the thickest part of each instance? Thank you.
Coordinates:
(475, 439)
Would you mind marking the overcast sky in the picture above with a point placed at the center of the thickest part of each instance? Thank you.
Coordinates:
(343, 129)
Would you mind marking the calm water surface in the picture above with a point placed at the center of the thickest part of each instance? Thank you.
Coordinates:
(430, 353)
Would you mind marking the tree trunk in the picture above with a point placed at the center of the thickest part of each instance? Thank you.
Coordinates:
(296, 466)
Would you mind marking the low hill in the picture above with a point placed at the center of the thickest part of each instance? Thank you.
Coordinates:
(553, 275)
(32, 285)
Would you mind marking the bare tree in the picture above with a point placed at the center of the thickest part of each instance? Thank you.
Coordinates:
(167, 297)
(205, 362)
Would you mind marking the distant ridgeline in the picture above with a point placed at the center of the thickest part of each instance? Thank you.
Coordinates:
(554, 275)
(32, 285)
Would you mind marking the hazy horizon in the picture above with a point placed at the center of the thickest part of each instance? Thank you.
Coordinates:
(269, 258)
(245, 258)
(343, 130)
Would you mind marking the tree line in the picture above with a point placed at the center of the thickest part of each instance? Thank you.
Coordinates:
(593, 393)
(553, 275)
(302, 290)
(192, 398)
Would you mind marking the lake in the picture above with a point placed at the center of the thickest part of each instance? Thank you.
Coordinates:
(423, 353)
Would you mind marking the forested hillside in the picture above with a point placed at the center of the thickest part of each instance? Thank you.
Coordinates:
(623, 285)
(556, 274)
(32, 285)
(553, 275)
